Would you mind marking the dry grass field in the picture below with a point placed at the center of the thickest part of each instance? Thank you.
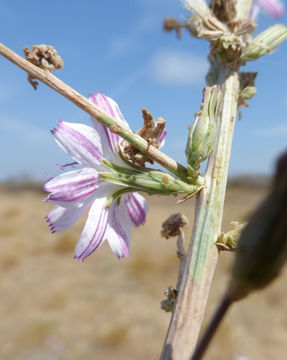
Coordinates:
(53, 307)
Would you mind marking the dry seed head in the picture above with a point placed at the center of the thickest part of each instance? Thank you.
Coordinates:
(151, 132)
(173, 225)
(45, 57)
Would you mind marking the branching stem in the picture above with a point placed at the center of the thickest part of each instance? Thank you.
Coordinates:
(83, 103)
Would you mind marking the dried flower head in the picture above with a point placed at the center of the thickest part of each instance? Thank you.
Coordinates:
(153, 132)
(45, 57)
(173, 225)
(170, 24)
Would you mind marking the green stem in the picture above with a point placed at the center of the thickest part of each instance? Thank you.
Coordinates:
(202, 257)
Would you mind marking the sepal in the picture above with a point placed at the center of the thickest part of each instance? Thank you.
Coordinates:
(264, 43)
(202, 132)
(152, 182)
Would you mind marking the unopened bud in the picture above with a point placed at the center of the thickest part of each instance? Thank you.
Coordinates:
(248, 92)
(148, 180)
(228, 240)
(168, 304)
(262, 247)
(202, 132)
(265, 42)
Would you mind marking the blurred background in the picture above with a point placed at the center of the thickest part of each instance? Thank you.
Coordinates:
(53, 307)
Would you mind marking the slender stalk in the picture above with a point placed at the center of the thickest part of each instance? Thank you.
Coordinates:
(182, 258)
(212, 327)
(202, 257)
(84, 104)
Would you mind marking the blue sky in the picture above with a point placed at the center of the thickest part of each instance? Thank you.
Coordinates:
(119, 47)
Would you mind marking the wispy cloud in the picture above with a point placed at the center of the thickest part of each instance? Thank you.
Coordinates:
(122, 44)
(178, 68)
(128, 82)
(151, 14)
(277, 130)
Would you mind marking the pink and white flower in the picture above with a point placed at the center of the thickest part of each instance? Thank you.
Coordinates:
(274, 8)
(75, 191)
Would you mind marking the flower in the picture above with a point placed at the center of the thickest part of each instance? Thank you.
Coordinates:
(111, 213)
(274, 8)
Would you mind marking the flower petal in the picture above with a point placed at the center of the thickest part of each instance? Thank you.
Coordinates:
(162, 137)
(73, 186)
(118, 232)
(274, 8)
(136, 207)
(110, 107)
(81, 142)
(60, 218)
(94, 231)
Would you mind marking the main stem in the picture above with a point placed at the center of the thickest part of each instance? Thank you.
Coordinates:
(202, 257)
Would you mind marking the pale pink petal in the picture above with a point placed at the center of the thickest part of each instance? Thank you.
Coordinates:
(73, 186)
(81, 142)
(136, 207)
(60, 218)
(109, 106)
(274, 8)
(102, 130)
(94, 231)
(118, 232)
(162, 137)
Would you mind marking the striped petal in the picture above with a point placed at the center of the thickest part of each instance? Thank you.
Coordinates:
(162, 137)
(60, 218)
(136, 207)
(109, 106)
(81, 142)
(94, 231)
(274, 8)
(72, 188)
(118, 232)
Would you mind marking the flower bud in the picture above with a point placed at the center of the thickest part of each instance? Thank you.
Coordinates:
(228, 240)
(265, 42)
(202, 132)
(262, 247)
(150, 181)
(248, 92)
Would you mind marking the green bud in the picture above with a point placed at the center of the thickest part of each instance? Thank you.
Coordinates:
(262, 247)
(228, 240)
(265, 42)
(202, 132)
(248, 92)
(150, 181)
